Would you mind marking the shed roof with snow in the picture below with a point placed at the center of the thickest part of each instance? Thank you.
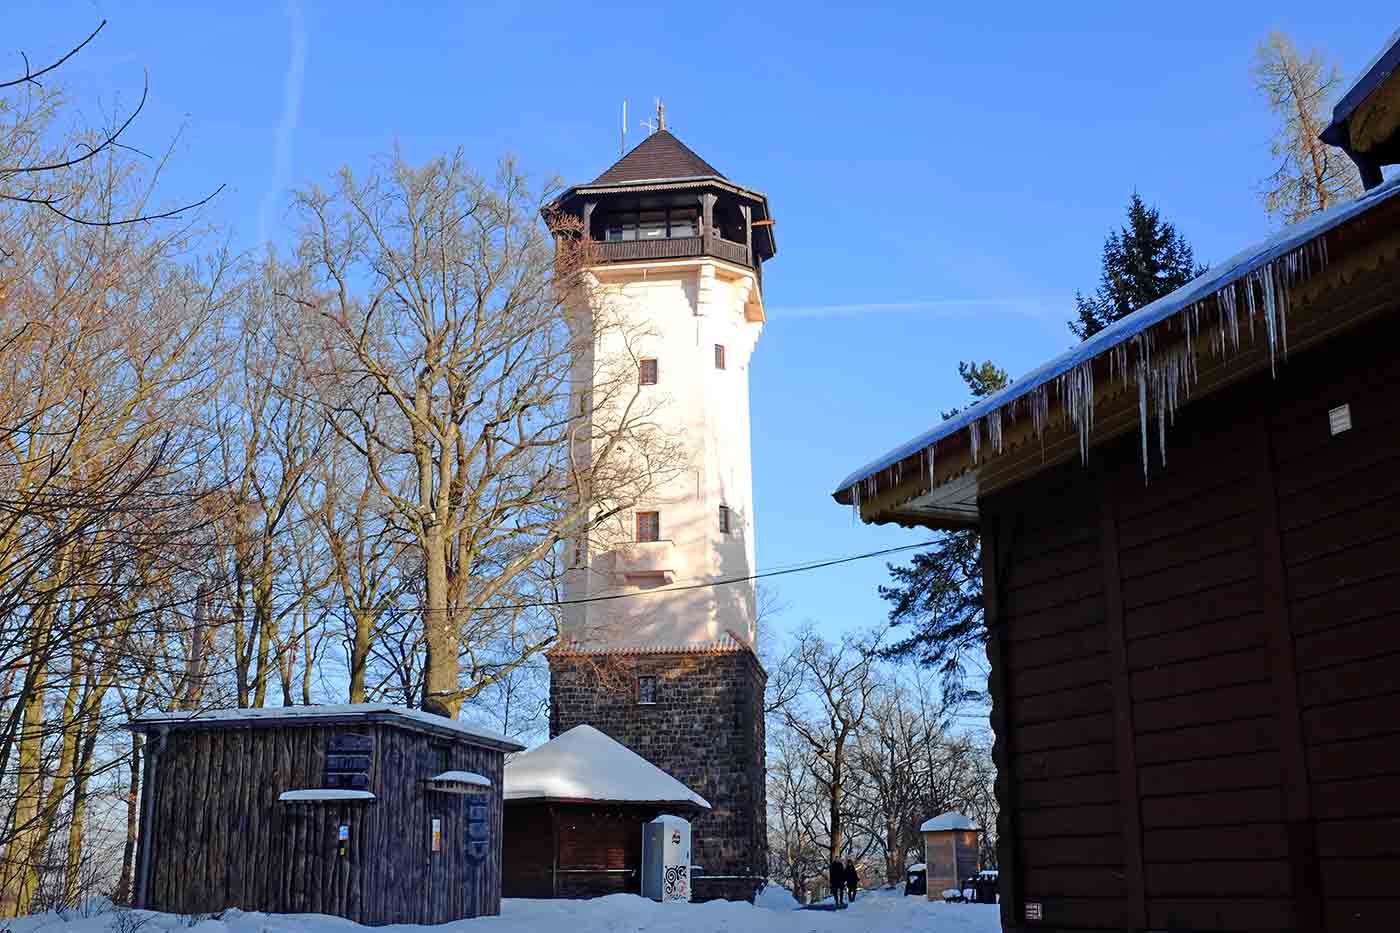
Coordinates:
(947, 821)
(1232, 321)
(341, 714)
(584, 765)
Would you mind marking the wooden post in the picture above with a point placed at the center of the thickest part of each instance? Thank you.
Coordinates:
(1129, 801)
(747, 211)
(554, 870)
(996, 552)
(707, 220)
(588, 220)
(1304, 865)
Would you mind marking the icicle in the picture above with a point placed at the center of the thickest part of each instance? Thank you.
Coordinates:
(932, 448)
(855, 502)
(1142, 412)
(994, 429)
(975, 432)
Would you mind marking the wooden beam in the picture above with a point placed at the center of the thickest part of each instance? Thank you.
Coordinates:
(1125, 748)
(1304, 867)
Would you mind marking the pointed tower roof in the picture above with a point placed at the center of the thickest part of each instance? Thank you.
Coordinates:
(659, 157)
(584, 765)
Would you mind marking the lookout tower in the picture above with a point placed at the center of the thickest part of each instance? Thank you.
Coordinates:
(669, 669)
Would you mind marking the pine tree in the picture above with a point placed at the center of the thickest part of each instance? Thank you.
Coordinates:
(1141, 262)
(938, 595)
(1312, 176)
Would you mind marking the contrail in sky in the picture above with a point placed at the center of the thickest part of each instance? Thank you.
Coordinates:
(287, 124)
(943, 307)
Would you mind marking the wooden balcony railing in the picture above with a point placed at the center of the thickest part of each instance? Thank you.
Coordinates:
(673, 248)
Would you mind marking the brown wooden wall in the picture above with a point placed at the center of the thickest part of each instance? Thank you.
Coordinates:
(222, 839)
(573, 849)
(1198, 679)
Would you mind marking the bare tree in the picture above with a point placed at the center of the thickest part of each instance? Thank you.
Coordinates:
(837, 684)
(1311, 176)
(452, 322)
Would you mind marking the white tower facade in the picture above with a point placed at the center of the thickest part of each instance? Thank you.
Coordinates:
(692, 325)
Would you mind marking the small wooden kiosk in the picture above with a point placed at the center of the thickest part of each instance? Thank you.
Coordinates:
(574, 811)
(376, 813)
(950, 852)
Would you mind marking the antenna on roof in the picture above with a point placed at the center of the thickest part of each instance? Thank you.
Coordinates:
(622, 146)
(660, 122)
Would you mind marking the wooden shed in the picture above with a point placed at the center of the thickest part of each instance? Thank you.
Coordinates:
(951, 852)
(1190, 532)
(376, 813)
(574, 811)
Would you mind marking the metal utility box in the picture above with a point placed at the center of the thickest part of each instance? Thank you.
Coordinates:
(666, 859)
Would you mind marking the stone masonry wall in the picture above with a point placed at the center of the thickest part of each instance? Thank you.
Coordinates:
(705, 730)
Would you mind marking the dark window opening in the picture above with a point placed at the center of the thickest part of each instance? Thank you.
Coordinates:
(648, 526)
(724, 520)
(648, 374)
(719, 356)
(659, 224)
(646, 690)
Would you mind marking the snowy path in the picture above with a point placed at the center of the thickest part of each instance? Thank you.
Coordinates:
(873, 912)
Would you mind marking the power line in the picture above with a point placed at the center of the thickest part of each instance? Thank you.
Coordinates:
(760, 575)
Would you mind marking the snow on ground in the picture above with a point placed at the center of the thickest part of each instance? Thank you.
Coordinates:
(883, 911)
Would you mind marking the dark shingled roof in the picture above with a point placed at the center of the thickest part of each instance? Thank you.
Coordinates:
(660, 155)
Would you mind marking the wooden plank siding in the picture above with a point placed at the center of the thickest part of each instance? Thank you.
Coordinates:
(1198, 700)
(220, 838)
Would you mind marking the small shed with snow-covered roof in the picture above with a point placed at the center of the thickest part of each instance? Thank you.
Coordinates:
(951, 851)
(574, 811)
(377, 813)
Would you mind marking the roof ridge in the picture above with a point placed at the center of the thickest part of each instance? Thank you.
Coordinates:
(660, 156)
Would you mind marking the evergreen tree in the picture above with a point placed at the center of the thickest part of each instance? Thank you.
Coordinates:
(1141, 262)
(937, 597)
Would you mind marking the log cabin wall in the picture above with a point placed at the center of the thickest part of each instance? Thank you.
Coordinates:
(1195, 682)
(220, 838)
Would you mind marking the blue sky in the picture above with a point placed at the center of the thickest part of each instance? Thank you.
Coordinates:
(942, 175)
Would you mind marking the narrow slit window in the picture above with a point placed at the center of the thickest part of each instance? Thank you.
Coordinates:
(719, 356)
(647, 376)
(646, 691)
(648, 526)
(725, 525)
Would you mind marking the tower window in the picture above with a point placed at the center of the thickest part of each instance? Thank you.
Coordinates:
(647, 376)
(719, 356)
(725, 525)
(646, 690)
(665, 223)
(648, 526)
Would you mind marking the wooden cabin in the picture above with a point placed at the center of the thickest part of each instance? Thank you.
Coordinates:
(1190, 533)
(376, 813)
(574, 811)
(952, 852)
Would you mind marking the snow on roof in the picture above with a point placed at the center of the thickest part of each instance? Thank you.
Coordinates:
(919, 866)
(946, 821)
(323, 793)
(585, 764)
(1370, 77)
(462, 777)
(368, 712)
(1287, 241)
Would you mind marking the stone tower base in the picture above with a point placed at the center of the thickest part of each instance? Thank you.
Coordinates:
(705, 729)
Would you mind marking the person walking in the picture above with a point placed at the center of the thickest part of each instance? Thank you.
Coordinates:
(838, 882)
(852, 880)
